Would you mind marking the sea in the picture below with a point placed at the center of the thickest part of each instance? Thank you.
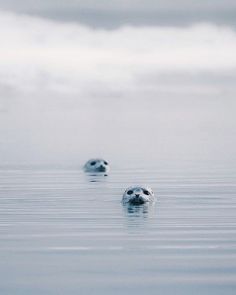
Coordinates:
(63, 231)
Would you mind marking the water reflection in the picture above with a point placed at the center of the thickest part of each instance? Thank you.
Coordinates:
(137, 210)
(138, 215)
(96, 176)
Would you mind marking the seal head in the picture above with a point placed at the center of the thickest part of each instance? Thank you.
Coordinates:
(137, 195)
(96, 165)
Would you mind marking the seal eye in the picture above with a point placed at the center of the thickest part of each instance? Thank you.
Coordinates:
(93, 163)
(146, 192)
(129, 192)
(105, 163)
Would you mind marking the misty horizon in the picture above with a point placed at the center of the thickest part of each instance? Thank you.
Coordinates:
(62, 84)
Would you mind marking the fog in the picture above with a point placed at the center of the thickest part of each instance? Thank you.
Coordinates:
(68, 92)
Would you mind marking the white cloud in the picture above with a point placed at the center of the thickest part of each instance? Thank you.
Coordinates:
(69, 56)
(63, 85)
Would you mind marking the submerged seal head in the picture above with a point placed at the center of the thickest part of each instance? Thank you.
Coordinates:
(96, 165)
(137, 195)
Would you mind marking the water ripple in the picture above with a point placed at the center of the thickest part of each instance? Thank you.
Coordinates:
(62, 217)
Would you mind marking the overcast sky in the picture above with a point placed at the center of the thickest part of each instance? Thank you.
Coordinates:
(125, 89)
(114, 13)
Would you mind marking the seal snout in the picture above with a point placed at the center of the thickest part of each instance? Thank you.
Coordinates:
(138, 195)
(102, 168)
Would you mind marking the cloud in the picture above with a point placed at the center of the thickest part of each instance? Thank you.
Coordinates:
(65, 89)
(116, 13)
(38, 54)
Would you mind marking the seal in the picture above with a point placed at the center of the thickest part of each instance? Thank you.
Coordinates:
(96, 165)
(137, 195)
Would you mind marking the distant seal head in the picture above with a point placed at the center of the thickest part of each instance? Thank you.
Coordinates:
(96, 166)
(137, 195)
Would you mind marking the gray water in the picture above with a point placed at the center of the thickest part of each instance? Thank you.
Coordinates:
(65, 232)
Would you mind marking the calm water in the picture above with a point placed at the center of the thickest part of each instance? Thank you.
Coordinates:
(64, 232)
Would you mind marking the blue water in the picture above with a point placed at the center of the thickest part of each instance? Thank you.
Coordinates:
(64, 232)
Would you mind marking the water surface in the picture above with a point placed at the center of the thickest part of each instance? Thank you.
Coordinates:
(64, 232)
